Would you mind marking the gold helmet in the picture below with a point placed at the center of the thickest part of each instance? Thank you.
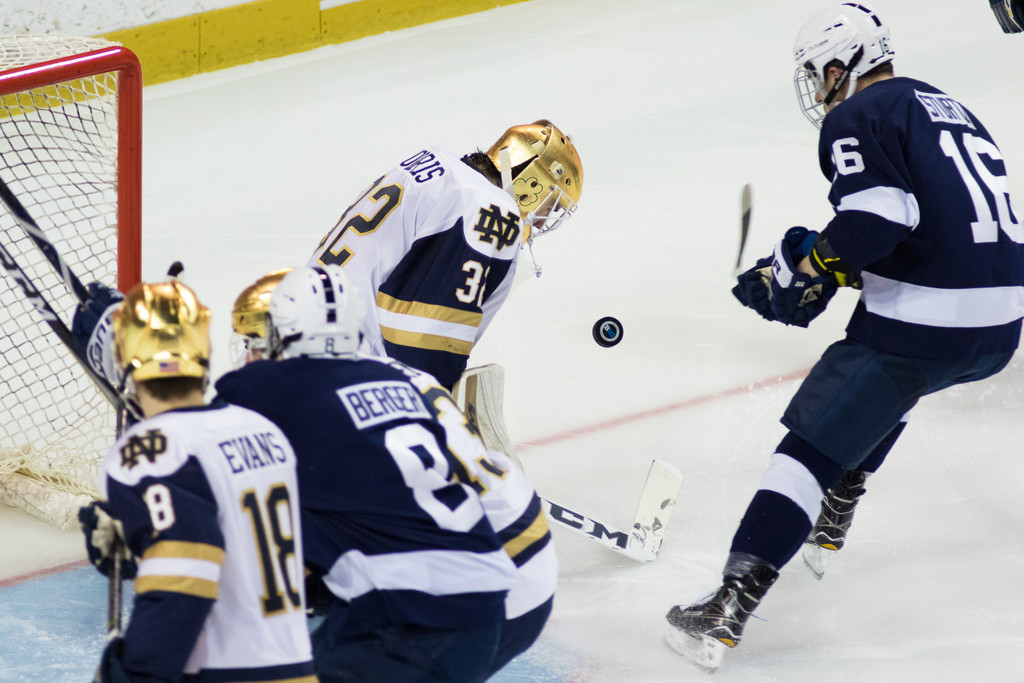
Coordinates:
(249, 318)
(162, 330)
(541, 169)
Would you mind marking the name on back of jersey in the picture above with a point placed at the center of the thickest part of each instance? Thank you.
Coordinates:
(252, 452)
(372, 403)
(944, 109)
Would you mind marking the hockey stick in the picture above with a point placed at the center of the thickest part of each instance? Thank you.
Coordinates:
(73, 284)
(46, 312)
(35, 233)
(479, 394)
(746, 204)
(643, 541)
(114, 593)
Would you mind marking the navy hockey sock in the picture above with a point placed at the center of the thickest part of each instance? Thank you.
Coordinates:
(773, 529)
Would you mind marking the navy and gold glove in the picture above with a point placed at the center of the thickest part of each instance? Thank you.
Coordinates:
(103, 534)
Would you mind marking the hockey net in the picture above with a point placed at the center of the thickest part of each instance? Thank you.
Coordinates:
(70, 136)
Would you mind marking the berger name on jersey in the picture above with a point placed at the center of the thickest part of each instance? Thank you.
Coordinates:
(372, 403)
(252, 452)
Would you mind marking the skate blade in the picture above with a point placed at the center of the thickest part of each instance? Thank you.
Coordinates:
(817, 558)
(705, 652)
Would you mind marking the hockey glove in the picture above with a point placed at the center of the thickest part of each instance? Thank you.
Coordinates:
(753, 288)
(110, 669)
(93, 330)
(796, 297)
(102, 534)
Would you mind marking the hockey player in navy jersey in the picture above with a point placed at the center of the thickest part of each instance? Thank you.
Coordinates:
(433, 244)
(400, 500)
(205, 499)
(924, 227)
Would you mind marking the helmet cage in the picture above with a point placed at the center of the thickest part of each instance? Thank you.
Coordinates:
(810, 85)
(553, 209)
(850, 36)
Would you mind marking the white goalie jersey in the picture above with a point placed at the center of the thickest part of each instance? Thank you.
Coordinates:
(433, 246)
(209, 502)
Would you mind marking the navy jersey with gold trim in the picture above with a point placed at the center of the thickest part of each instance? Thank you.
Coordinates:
(208, 499)
(433, 246)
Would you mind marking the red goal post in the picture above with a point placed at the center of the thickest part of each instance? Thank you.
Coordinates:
(70, 150)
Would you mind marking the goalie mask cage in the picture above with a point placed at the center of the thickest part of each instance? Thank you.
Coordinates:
(70, 150)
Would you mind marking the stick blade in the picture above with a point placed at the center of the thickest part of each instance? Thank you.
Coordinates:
(657, 502)
(746, 205)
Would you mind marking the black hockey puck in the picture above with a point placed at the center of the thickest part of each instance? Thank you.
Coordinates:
(176, 269)
(607, 331)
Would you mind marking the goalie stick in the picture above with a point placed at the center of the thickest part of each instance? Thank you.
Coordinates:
(479, 394)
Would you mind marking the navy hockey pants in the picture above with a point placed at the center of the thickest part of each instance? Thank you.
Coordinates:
(406, 654)
(854, 396)
(517, 635)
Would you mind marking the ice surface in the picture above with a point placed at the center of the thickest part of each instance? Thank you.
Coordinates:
(674, 105)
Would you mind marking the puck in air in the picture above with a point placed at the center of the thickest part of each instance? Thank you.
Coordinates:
(607, 331)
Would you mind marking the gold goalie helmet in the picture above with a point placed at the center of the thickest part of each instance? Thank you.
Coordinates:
(249, 318)
(541, 169)
(162, 330)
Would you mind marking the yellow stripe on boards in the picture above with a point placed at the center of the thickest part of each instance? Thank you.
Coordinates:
(265, 29)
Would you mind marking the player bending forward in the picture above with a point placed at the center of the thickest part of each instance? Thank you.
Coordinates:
(433, 243)
(400, 501)
(924, 226)
(206, 498)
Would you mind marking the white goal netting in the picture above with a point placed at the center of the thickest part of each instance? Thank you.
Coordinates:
(59, 154)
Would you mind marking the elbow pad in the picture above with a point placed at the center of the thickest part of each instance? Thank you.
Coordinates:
(826, 261)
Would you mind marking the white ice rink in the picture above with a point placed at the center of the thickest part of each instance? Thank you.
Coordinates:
(674, 105)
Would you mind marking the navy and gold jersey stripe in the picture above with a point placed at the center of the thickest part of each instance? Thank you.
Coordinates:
(186, 585)
(422, 340)
(432, 311)
(528, 535)
(185, 550)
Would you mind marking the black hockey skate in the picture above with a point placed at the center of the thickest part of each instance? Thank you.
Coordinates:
(829, 533)
(703, 630)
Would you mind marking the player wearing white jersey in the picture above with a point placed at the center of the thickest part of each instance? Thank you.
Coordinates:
(370, 414)
(433, 244)
(206, 497)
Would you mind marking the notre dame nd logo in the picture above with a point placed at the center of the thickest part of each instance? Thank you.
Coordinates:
(501, 231)
(149, 445)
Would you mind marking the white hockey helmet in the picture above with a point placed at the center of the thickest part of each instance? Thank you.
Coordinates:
(315, 312)
(851, 34)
